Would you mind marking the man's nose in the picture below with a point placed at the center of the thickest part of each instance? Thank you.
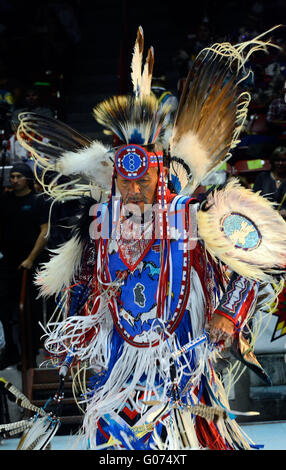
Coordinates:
(134, 188)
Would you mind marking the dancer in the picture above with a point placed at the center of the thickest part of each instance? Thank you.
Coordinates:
(154, 284)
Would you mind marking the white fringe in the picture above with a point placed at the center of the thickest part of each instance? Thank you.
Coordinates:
(132, 364)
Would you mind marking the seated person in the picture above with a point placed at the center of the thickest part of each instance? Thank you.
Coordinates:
(272, 184)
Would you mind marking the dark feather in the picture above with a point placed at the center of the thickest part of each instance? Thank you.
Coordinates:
(34, 127)
(133, 120)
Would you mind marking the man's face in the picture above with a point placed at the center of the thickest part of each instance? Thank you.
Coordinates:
(141, 191)
(280, 165)
(18, 181)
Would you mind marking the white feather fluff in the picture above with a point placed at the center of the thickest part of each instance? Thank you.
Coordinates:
(93, 162)
(59, 272)
(190, 149)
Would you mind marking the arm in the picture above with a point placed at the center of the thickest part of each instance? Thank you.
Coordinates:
(37, 248)
(234, 308)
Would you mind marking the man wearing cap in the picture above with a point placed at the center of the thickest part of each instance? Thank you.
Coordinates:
(24, 222)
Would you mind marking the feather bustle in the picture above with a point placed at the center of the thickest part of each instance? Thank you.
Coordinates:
(212, 107)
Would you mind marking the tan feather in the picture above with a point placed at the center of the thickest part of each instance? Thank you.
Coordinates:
(133, 120)
(136, 63)
(212, 110)
(147, 73)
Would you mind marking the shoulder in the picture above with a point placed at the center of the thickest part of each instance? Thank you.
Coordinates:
(7, 196)
(41, 199)
(185, 205)
(264, 175)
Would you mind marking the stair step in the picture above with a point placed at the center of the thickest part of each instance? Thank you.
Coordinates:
(50, 386)
(71, 419)
(65, 401)
(47, 376)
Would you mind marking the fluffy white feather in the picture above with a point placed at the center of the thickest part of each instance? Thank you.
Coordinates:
(92, 162)
(197, 159)
(58, 273)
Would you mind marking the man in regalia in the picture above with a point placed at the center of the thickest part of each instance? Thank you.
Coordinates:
(154, 284)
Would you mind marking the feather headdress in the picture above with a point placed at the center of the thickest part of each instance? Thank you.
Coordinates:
(211, 112)
(135, 118)
(209, 119)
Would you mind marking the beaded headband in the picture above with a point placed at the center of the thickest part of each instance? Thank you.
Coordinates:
(133, 161)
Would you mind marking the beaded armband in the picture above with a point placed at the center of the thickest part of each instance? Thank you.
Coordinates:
(238, 299)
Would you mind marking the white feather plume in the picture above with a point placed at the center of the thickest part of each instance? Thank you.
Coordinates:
(136, 63)
(147, 73)
(58, 273)
(94, 163)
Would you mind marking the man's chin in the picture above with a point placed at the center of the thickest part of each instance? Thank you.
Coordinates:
(135, 206)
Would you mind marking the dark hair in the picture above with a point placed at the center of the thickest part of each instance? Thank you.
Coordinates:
(276, 154)
(25, 170)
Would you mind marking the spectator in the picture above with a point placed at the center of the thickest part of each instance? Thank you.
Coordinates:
(272, 184)
(164, 96)
(9, 94)
(202, 38)
(32, 102)
(23, 223)
(276, 114)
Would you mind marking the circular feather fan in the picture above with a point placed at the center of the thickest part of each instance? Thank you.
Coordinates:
(240, 228)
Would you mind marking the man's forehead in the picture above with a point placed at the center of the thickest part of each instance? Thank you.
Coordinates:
(16, 173)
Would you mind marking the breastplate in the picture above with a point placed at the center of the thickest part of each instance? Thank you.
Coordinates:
(135, 311)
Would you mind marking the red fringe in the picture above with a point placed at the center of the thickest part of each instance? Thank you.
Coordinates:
(209, 436)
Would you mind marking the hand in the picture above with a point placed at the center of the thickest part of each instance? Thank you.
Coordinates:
(26, 264)
(220, 329)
